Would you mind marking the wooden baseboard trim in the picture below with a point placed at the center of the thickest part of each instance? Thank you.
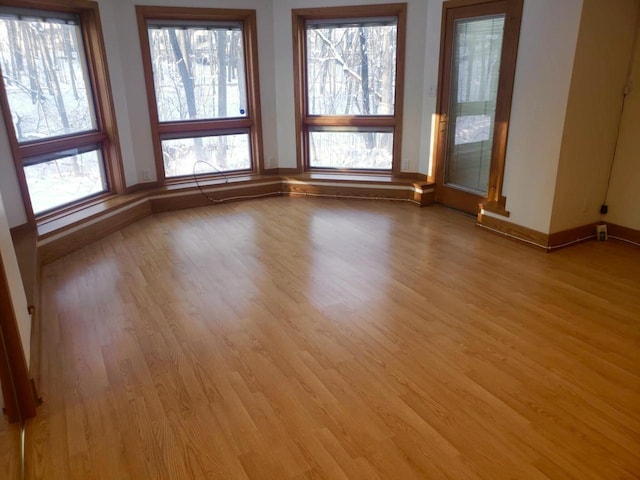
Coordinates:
(515, 232)
(61, 243)
(573, 236)
(60, 236)
(22, 229)
(355, 191)
(553, 241)
(618, 232)
(211, 195)
(412, 190)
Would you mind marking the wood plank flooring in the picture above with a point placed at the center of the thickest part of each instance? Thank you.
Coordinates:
(10, 448)
(324, 339)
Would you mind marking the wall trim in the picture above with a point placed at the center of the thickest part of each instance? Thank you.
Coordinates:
(618, 232)
(572, 236)
(510, 230)
(63, 234)
(557, 240)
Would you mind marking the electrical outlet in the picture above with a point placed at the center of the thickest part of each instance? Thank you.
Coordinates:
(601, 232)
(146, 175)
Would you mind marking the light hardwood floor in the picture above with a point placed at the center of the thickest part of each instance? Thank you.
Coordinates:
(302, 338)
(10, 449)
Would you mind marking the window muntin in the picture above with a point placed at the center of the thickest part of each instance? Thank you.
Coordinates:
(203, 99)
(348, 65)
(351, 66)
(207, 155)
(57, 180)
(198, 70)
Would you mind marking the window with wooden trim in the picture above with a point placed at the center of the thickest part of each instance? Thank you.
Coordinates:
(349, 72)
(57, 105)
(202, 83)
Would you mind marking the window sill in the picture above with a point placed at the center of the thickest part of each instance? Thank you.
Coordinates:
(351, 177)
(63, 233)
(56, 223)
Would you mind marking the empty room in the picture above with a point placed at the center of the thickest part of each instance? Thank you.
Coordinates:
(320, 239)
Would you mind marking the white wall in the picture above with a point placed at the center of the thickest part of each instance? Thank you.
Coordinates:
(9, 187)
(624, 193)
(14, 280)
(548, 39)
(414, 79)
(548, 36)
(430, 86)
(540, 97)
(600, 71)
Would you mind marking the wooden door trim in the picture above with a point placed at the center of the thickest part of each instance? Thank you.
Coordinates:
(17, 389)
(495, 201)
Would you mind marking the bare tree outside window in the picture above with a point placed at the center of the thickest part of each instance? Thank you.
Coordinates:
(351, 69)
(198, 74)
(44, 70)
(351, 72)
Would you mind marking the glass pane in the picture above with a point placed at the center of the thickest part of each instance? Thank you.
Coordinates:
(44, 69)
(198, 72)
(351, 150)
(65, 180)
(351, 69)
(474, 88)
(220, 153)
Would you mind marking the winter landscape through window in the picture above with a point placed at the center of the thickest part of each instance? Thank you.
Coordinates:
(196, 65)
(49, 94)
(349, 89)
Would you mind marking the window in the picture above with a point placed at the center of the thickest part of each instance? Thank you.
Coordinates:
(349, 81)
(202, 84)
(56, 94)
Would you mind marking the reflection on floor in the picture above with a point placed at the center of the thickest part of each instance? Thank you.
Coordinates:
(301, 338)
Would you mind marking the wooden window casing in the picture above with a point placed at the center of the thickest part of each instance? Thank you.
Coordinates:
(211, 126)
(306, 122)
(104, 136)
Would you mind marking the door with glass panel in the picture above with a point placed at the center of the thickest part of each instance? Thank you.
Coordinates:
(477, 67)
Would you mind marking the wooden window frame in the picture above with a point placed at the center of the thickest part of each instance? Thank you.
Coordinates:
(305, 122)
(106, 133)
(495, 201)
(209, 126)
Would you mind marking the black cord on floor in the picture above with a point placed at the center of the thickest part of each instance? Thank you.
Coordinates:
(195, 179)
